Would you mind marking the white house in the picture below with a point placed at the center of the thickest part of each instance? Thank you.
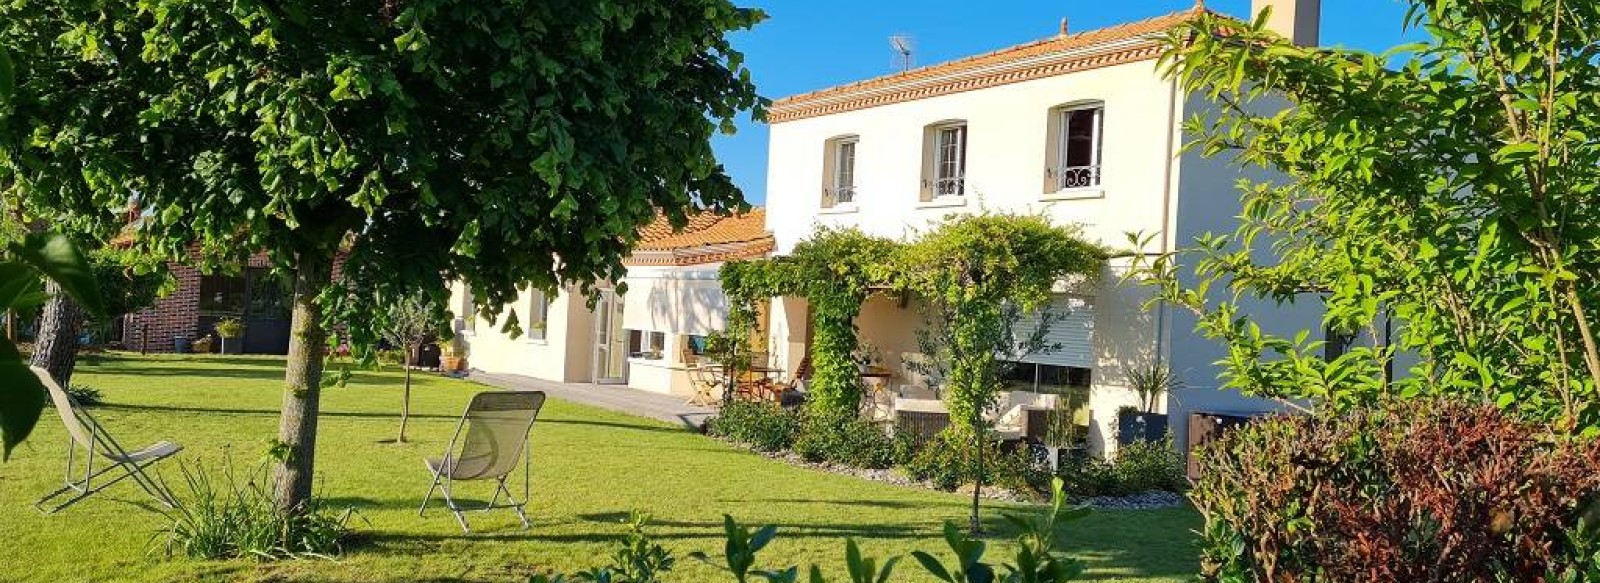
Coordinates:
(1081, 127)
(638, 338)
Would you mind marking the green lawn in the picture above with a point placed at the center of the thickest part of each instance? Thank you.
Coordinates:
(590, 467)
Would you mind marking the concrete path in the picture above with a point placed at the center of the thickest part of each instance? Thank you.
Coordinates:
(669, 408)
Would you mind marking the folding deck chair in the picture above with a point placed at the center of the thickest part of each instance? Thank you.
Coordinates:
(497, 425)
(83, 431)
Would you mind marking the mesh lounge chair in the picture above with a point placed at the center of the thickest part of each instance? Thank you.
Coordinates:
(497, 425)
(83, 431)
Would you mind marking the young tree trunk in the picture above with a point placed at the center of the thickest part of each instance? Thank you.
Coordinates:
(302, 386)
(975, 524)
(56, 347)
(405, 399)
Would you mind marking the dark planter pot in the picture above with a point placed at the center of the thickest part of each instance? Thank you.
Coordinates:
(1135, 426)
(233, 346)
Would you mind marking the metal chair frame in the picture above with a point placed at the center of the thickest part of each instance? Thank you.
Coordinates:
(100, 442)
(442, 479)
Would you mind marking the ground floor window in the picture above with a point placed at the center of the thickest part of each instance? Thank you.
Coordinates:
(1047, 378)
(646, 344)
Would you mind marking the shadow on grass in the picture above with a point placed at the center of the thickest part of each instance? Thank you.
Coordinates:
(358, 415)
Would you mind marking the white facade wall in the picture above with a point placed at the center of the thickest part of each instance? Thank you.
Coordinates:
(1007, 132)
(1145, 188)
(562, 355)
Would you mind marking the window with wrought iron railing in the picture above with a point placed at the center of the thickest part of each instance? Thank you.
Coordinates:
(1077, 162)
(950, 161)
(839, 174)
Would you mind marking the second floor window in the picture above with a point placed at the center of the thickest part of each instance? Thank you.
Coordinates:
(839, 172)
(1076, 134)
(950, 160)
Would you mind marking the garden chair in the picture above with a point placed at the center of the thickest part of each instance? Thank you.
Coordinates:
(496, 426)
(705, 379)
(85, 432)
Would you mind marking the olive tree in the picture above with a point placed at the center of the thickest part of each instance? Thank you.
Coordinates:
(1447, 187)
(507, 144)
(407, 324)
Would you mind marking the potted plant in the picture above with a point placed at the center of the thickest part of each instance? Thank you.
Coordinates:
(231, 330)
(450, 359)
(1143, 423)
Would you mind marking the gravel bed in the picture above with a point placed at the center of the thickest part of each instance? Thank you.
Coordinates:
(1146, 501)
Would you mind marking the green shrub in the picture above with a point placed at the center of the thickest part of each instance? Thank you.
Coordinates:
(231, 520)
(1143, 466)
(1089, 477)
(1419, 491)
(849, 442)
(948, 462)
(1136, 468)
(85, 395)
(394, 356)
(762, 426)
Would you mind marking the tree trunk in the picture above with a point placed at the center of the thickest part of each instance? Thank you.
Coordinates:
(56, 346)
(405, 399)
(975, 523)
(302, 386)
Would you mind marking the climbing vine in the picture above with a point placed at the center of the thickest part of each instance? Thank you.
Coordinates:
(835, 270)
(978, 275)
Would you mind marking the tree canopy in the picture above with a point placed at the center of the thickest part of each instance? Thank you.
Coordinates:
(1448, 186)
(507, 143)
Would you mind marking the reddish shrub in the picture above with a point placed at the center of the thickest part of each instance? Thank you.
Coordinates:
(1409, 492)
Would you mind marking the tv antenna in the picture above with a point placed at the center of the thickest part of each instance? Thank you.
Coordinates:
(903, 46)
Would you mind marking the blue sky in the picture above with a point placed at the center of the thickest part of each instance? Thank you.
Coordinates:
(810, 44)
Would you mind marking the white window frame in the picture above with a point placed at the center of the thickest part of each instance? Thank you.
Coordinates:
(647, 344)
(538, 316)
(1066, 177)
(951, 183)
(843, 180)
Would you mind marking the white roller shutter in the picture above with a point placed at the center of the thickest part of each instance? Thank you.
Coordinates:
(1071, 327)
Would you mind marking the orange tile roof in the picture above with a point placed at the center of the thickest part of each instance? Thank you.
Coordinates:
(1119, 44)
(707, 238)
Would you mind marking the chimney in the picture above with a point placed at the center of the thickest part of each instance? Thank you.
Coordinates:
(1300, 21)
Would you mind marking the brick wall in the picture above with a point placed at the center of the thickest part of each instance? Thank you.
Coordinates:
(178, 314)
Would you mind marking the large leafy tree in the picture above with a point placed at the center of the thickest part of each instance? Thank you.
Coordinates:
(505, 143)
(1447, 186)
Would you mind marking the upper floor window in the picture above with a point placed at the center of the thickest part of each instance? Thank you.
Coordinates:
(538, 315)
(945, 169)
(1074, 160)
(839, 171)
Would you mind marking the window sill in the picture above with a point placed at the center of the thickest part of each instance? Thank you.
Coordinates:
(1090, 192)
(943, 201)
(536, 341)
(844, 208)
(650, 362)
